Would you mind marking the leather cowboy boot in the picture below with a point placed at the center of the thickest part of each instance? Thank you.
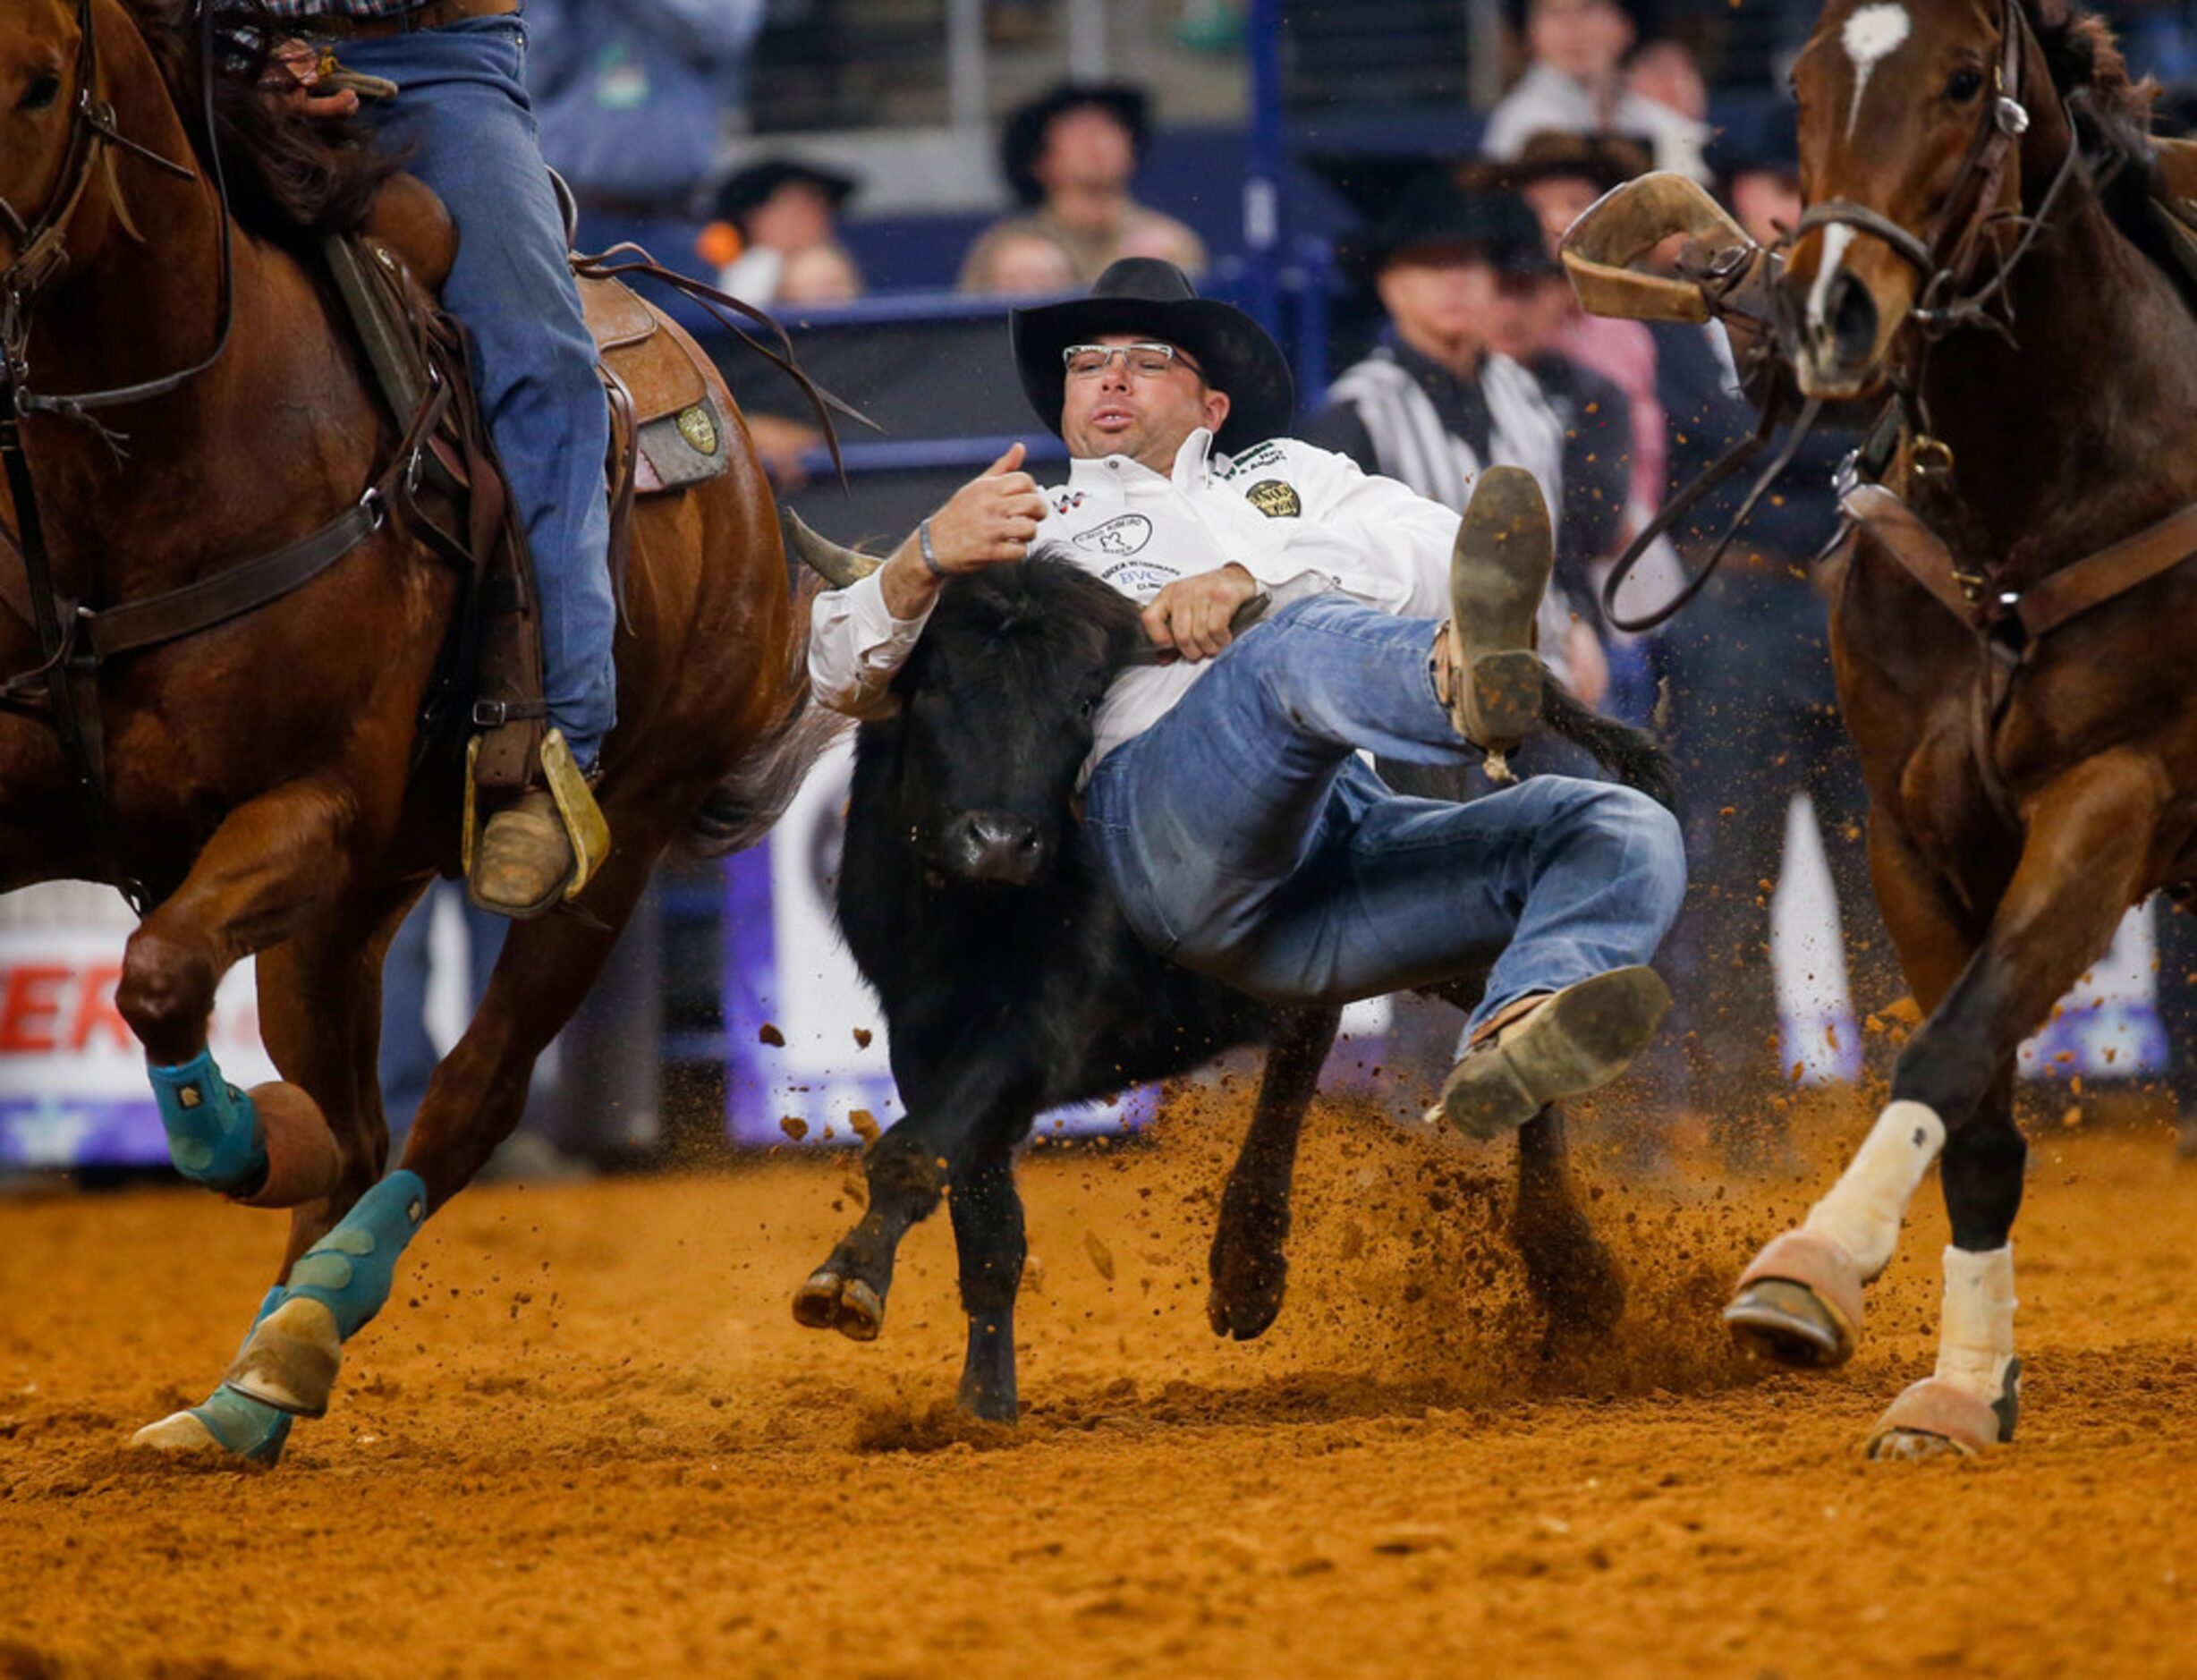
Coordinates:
(1551, 1046)
(1498, 572)
(525, 859)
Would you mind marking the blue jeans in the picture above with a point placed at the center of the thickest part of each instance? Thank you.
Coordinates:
(462, 123)
(1244, 838)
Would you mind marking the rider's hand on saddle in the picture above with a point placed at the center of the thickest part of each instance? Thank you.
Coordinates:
(988, 522)
(1192, 614)
(294, 80)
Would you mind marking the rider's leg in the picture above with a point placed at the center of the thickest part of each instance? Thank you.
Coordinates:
(463, 117)
(1242, 839)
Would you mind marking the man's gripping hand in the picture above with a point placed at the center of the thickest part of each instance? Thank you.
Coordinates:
(1192, 614)
(990, 520)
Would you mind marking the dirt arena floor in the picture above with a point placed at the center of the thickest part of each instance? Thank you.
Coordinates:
(588, 1438)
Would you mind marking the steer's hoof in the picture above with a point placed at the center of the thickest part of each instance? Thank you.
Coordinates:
(1800, 1302)
(830, 1302)
(303, 1163)
(291, 1360)
(1932, 1418)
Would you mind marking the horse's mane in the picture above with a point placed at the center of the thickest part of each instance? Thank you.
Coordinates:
(2113, 115)
(288, 175)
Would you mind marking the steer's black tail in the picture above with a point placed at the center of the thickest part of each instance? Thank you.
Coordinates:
(1634, 756)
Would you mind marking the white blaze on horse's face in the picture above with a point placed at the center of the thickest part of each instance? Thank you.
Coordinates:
(1837, 237)
(1871, 34)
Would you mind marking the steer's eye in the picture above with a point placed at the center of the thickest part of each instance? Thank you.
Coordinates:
(43, 90)
(1963, 85)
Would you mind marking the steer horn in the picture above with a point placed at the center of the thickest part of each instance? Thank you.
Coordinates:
(838, 567)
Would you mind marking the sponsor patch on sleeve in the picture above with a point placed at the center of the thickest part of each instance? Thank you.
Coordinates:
(1275, 499)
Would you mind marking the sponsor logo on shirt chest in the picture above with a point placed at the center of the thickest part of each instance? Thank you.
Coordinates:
(1126, 534)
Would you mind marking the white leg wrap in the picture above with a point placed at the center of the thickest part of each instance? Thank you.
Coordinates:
(1975, 1335)
(1862, 1210)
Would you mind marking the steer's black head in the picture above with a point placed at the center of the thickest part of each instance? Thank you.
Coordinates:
(997, 707)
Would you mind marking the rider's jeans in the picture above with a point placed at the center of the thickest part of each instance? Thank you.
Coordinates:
(1244, 838)
(462, 122)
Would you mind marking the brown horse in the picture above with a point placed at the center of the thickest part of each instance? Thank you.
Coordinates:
(2010, 611)
(259, 776)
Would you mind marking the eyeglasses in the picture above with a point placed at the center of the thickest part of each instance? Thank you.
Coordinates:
(1146, 362)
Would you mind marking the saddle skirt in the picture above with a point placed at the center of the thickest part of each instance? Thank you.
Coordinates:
(669, 429)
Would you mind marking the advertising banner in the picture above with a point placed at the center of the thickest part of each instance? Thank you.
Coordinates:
(73, 1088)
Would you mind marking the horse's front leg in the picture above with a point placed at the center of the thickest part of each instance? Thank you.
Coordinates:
(1248, 1265)
(2085, 860)
(273, 864)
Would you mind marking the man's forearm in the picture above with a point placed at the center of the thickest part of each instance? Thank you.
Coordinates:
(910, 587)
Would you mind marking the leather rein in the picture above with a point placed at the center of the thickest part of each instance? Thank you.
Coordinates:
(1945, 261)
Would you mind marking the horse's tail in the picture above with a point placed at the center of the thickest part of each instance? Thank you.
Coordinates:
(1634, 756)
(742, 807)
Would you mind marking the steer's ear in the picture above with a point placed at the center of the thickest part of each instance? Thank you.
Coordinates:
(838, 567)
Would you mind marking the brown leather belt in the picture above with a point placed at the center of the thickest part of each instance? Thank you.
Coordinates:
(433, 15)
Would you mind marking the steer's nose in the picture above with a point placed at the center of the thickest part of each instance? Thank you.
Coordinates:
(995, 846)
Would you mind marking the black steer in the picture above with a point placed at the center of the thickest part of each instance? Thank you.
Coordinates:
(1011, 983)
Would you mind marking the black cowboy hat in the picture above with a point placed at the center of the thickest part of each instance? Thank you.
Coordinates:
(1433, 209)
(1142, 294)
(743, 189)
(1768, 146)
(1024, 136)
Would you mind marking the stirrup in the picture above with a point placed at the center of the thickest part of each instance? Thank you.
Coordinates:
(1599, 249)
(585, 826)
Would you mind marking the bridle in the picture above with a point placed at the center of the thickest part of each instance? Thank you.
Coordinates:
(1945, 260)
(42, 260)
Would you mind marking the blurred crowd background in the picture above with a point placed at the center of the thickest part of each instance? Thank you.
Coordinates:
(1382, 181)
(880, 172)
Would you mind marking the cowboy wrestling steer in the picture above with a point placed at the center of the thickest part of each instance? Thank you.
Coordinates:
(1012, 983)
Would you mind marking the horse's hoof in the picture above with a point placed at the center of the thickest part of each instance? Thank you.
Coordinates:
(227, 1426)
(1932, 1418)
(830, 1302)
(1800, 1302)
(178, 1434)
(303, 1162)
(291, 1359)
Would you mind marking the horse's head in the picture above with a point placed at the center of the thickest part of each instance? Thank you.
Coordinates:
(47, 58)
(1914, 115)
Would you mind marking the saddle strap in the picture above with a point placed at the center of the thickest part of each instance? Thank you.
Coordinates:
(1911, 542)
(2046, 604)
(175, 614)
(2096, 578)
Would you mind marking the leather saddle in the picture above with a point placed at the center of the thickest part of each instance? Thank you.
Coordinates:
(668, 430)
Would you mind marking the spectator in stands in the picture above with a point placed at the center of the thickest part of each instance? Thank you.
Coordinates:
(1070, 155)
(1019, 262)
(768, 216)
(1575, 82)
(1438, 400)
(1667, 71)
(1560, 175)
(1755, 713)
(632, 99)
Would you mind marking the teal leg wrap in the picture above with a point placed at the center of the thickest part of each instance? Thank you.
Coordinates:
(348, 1271)
(214, 1133)
(246, 1427)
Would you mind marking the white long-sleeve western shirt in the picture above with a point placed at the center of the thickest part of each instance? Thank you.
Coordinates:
(1301, 521)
